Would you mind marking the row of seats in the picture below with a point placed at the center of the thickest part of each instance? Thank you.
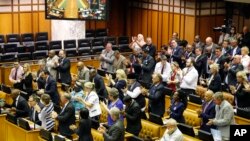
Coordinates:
(80, 47)
(92, 33)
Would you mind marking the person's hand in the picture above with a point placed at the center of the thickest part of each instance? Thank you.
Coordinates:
(198, 111)
(102, 129)
(210, 122)
(79, 99)
(123, 113)
(210, 61)
(124, 90)
(232, 89)
(72, 127)
(54, 115)
(13, 109)
(144, 91)
(37, 108)
(168, 111)
(226, 65)
(139, 60)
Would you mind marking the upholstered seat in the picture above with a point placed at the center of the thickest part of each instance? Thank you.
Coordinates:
(229, 97)
(191, 118)
(149, 129)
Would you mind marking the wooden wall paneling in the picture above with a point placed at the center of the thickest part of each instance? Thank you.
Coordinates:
(189, 32)
(129, 22)
(144, 20)
(155, 22)
(35, 22)
(204, 27)
(44, 25)
(159, 30)
(176, 23)
(25, 25)
(101, 24)
(5, 23)
(165, 29)
(170, 26)
(92, 25)
(87, 24)
(182, 26)
(15, 22)
(149, 23)
(135, 21)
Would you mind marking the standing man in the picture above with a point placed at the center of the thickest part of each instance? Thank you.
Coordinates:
(63, 68)
(120, 61)
(177, 52)
(51, 63)
(82, 73)
(163, 68)
(150, 47)
(156, 96)
(16, 74)
(107, 58)
(66, 116)
(224, 116)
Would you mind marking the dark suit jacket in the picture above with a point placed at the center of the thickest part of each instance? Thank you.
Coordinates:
(27, 82)
(176, 56)
(51, 89)
(36, 120)
(133, 118)
(151, 49)
(115, 132)
(119, 85)
(22, 108)
(221, 61)
(147, 69)
(242, 97)
(66, 118)
(84, 130)
(176, 111)
(64, 71)
(238, 51)
(209, 113)
(100, 87)
(215, 84)
(232, 73)
(40, 81)
(245, 39)
(157, 100)
(200, 64)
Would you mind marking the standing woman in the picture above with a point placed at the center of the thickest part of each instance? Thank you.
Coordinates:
(27, 80)
(84, 129)
(119, 83)
(91, 101)
(175, 77)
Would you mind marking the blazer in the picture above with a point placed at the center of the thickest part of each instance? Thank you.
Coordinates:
(151, 49)
(22, 107)
(231, 73)
(157, 99)
(208, 112)
(215, 84)
(200, 64)
(133, 112)
(27, 84)
(224, 117)
(115, 132)
(51, 89)
(176, 111)
(238, 51)
(84, 130)
(119, 85)
(66, 118)
(64, 70)
(100, 87)
(221, 61)
(107, 62)
(40, 81)
(147, 69)
(83, 75)
(177, 53)
(34, 119)
(241, 97)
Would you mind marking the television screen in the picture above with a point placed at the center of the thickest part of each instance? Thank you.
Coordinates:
(76, 9)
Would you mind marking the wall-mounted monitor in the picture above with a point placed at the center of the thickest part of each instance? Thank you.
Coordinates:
(76, 9)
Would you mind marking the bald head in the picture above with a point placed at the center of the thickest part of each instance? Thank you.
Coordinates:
(237, 59)
(80, 65)
(245, 29)
(52, 53)
(15, 93)
(208, 95)
(209, 41)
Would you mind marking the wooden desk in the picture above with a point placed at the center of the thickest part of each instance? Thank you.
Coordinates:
(2, 127)
(13, 132)
(241, 120)
(53, 134)
(8, 99)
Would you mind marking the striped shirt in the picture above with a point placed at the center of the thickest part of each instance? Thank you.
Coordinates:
(45, 117)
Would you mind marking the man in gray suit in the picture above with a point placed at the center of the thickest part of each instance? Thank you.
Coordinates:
(224, 116)
(82, 73)
(107, 58)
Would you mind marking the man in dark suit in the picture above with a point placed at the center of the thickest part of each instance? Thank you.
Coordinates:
(150, 47)
(235, 48)
(147, 67)
(133, 67)
(66, 116)
(245, 37)
(63, 68)
(232, 69)
(156, 96)
(50, 87)
(210, 45)
(99, 84)
(116, 131)
(20, 106)
(36, 106)
(176, 53)
(207, 112)
(225, 48)
(200, 62)
(132, 114)
(220, 59)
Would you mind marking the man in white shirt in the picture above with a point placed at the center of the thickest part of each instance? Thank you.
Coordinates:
(51, 65)
(172, 132)
(189, 80)
(163, 68)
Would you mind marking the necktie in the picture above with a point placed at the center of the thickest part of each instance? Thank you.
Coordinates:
(162, 68)
(15, 77)
(205, 108)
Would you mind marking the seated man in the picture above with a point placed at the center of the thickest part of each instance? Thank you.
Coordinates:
(36, 106)
(20, 106)
(172, 132)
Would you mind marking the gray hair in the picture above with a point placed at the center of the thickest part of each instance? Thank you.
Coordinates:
(219, 96)
(114, 93)
(114, 111)
(171, 122)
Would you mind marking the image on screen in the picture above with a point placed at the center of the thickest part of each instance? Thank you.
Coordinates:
(76, 9)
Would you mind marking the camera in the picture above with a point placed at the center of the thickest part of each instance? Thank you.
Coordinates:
(224, 28)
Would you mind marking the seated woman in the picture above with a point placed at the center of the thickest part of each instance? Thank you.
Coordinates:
(91, 101)
(119, 83)
(241, 91)
(84, 129)
(45, 114)
(77, 92)
(213, 83)
(176, 108)
(27, 80)
(114, 101)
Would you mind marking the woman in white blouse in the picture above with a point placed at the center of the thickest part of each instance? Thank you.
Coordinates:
(91, 101)
(245, 59)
